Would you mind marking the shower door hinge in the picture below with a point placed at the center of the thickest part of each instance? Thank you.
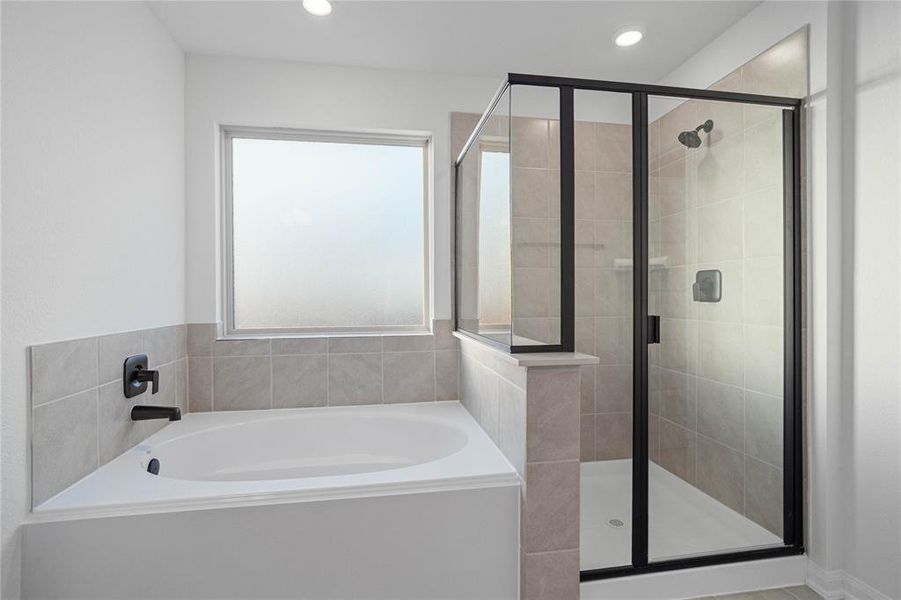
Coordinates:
(653, 329)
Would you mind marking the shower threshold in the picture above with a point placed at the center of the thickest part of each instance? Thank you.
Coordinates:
(683, 520)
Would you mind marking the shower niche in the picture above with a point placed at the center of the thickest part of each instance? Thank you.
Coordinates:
(657, 229)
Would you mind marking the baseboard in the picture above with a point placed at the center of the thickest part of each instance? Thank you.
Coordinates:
(855, 589)
(828, 584)
(839, 585)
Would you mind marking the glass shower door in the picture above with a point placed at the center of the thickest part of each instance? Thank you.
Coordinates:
(716, 223)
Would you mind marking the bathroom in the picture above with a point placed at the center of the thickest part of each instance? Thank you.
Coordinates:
(413, 299)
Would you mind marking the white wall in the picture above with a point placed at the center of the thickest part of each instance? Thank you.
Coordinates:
(291, 94)
(872, 418)
(93, 197)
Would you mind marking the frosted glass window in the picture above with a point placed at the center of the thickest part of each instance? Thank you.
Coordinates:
(327, 235)
(494, 242)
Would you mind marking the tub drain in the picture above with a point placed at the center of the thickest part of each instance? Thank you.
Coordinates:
(615, 523)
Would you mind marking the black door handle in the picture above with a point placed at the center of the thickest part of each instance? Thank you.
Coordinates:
(653, 329)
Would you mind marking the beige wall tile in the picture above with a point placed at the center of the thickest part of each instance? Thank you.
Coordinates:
(294, 346)
(720, 168)
(764, 427)
(613, 196)
(114, 349)
(677, 450)
(117, 431)
(720, 473)
(614, 148)
(241, 383)
(162, 344)
(614, 389)
(763, 499)
(720, 231)
(550, 575)
(64, 444)
(763, 155)
(447, 375)
(253, 347)
(355, 345)
(530, 292)
(585, 195)
(613, 436)
(587, 438)
(721, 413)
(612, 346)
(299, 381)
(612, 240)
(763, 216)
(720, 350)
(585, 145)
(764, 359)
(63, 368)
(671, 183)
(443, 331)
(355, 379)
(530, 190)
(512, 424)
(529, 142)
(200, 384)
(551, 506)
(764, 294)
(553, 397)
(678, 398)
(408, 377)
(530, 242)
(200, 339)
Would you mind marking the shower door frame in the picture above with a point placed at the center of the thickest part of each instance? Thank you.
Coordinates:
(793, 532)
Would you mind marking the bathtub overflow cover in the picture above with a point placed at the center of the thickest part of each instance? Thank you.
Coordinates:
(153, 467)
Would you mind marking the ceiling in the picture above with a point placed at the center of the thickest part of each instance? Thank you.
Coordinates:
(462, 37)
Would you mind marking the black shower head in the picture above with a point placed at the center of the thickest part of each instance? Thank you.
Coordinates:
(691, 139)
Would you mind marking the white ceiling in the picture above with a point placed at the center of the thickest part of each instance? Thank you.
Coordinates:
(462, 37)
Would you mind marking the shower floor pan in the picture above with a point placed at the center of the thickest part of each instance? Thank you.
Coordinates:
(684, 521)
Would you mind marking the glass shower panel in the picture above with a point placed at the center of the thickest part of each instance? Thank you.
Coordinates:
(535, 214)
(715, 278)
(483, 248)
(603, 323)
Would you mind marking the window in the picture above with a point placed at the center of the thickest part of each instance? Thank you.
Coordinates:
(324, 232)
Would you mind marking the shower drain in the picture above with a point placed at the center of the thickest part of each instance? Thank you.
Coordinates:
(615, 523)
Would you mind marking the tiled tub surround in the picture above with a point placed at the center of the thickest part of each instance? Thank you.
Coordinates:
(80, 416)
(532, 414)
(249, 374)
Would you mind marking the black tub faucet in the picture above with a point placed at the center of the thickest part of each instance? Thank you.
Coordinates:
(136, 376)
(141, 412)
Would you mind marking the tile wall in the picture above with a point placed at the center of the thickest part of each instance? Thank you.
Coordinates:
(80, 416)
(532, 414)
(603, 236)
(325, 371)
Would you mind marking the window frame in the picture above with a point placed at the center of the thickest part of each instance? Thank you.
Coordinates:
(228, 133)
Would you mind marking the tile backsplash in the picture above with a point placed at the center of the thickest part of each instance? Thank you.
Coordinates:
(80, 416)
(327, 371)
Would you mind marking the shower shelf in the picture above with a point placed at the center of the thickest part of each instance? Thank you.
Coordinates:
(625, 264)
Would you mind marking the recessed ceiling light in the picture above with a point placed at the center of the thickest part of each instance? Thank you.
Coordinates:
(628, 36)
(320, 8)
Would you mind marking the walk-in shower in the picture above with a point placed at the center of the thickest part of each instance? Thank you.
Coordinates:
(590, 217)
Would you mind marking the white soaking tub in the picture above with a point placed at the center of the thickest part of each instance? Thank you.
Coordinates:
(390, 501)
